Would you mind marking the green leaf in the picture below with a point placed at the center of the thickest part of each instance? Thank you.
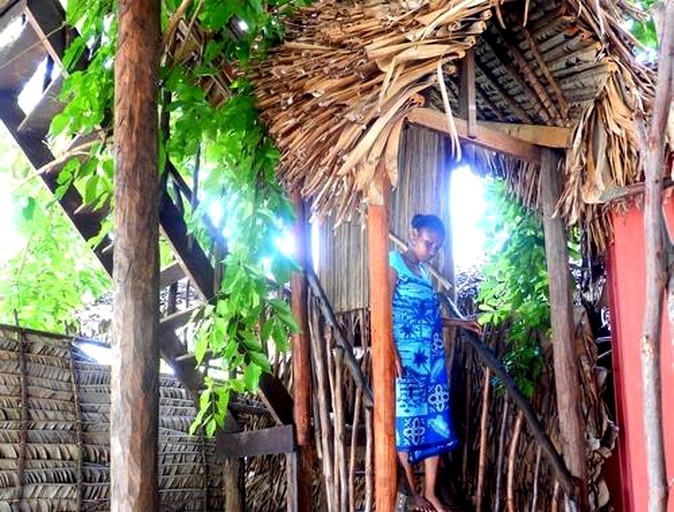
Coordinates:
(251, 377)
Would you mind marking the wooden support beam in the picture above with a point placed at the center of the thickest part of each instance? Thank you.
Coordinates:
(555, 137)
(567, 376)
(382, 346)
(171, 274)
(134, 390)
(190, 255)
(487, 138)
(266, 441)
(468, 92)
(300, 478)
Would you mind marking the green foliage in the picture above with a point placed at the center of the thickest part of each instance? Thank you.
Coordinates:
(236, 178)
(52, 273)
(514, 292)
(644, 30)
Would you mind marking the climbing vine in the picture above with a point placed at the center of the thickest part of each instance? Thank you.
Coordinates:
(237, 188)
(47, 272)
(514, 291)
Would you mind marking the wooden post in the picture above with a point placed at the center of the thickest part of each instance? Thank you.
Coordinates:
(382, 347)
(299, 465)
(135, 362)
(567, 379)
(468, 92)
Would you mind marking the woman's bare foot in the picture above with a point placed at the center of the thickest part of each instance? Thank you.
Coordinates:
(417, 503)
(436, 503)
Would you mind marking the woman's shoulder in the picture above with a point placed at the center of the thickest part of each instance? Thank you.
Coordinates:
(395, 261)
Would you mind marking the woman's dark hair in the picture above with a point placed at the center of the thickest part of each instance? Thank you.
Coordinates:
(429, 222)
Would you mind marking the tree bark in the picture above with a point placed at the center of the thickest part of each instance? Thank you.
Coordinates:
(567, 379)
(652, 152)
(385, 463)
(135, 361)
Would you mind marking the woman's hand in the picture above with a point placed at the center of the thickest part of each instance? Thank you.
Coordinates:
(470, 325)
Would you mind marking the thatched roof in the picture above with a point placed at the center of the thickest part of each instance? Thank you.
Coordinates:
(54, 443)
(336, 93)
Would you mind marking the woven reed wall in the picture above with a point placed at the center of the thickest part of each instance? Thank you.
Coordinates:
(423, 187)
(54, 444)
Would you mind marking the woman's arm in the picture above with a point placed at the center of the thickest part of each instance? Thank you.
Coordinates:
(392, 280)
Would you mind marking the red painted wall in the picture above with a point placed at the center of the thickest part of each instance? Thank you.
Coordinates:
(627, 292)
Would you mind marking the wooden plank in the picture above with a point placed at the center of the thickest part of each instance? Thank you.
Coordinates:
(555, 137)
(567, 376)
(486, 138)
(189, 254)
(179, 319)
(276, 398)
(171, 274)
(37, 122)
(267, 441)
(134, 389)
(47, 18)
(382, 348)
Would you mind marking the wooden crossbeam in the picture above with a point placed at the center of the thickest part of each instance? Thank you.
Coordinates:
(537, 134)
(487, 138)
(267, 441)
(171, 274)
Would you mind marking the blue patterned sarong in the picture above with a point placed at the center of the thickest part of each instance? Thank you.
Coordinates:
(423, 418)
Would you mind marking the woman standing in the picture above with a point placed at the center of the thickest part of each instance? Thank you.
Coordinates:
(423, 417)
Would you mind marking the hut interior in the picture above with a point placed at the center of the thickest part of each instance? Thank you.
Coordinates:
(361, 97)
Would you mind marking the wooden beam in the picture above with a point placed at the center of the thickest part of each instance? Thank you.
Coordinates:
(487, 138)
(267, 441)
(171, 274)
(190, 255)
(567, 376)
(300, 478)
(382, 346)
(468, 92)
(555, 137)
(134, 390)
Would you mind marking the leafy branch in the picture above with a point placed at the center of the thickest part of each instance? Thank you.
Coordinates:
(237, 186)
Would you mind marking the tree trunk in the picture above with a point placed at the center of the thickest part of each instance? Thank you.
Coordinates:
(567, 379)
(652, 151)
(135, 362)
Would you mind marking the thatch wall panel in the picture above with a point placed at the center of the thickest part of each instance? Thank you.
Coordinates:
(63, 447)
(423, 187)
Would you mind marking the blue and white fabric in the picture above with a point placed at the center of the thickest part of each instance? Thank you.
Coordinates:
(423, 417)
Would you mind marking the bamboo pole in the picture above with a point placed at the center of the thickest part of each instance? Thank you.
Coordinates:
(501, 452)
(567, 377)
(135, 363)
(512, 507)
(330, 359)
(382, 346)
(318, 355)
(537, 467)
(482, 461)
